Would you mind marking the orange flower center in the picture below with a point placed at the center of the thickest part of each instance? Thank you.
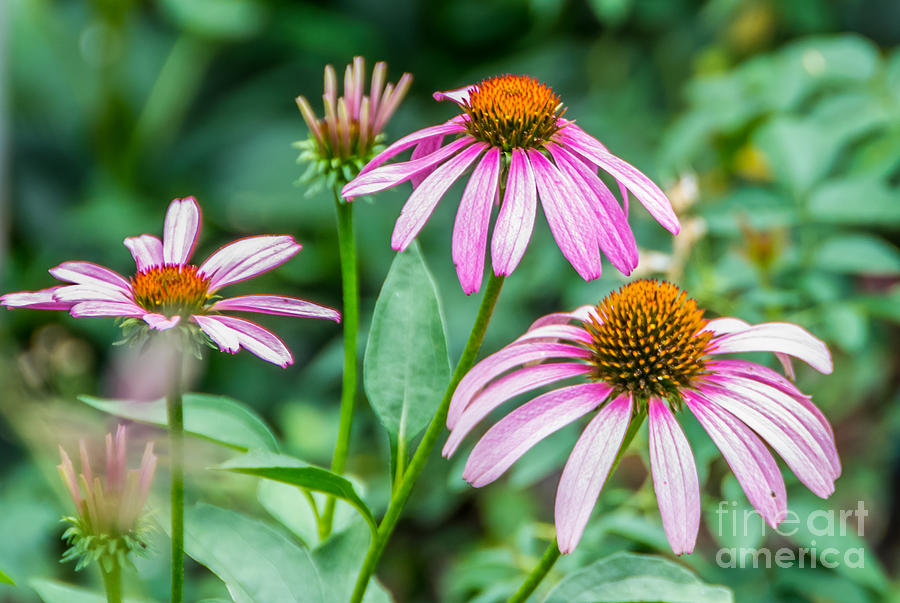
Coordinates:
(170, 290)
(513, 111)
(646, 340)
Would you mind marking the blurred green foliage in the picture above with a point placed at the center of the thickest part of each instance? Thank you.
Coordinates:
(774, 126)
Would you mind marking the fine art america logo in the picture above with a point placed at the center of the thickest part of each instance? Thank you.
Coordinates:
(822, 523)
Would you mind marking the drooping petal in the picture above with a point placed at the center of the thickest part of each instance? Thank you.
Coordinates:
(35, 300)
(460, 96)
(246, 258)
(808, 421)
(614, 234)
(550, 333)
(424, 199)
(386, 176)
(726, 324)
(571, 223)
(161, 322)
(650, 195)
(674, 478)
(88, 273)
(252, 337)
(146, 250)
(72, 294)
(800, 451)
(424, 148)
(781, 337)
(515, 221)
(106, 308)
(517, 432)
(498, 363)
(223, 336)
(444, 129)
(505, 388)
(276, 304)
(587, 469)
(749, 459)
(473, 219)
(180, 230)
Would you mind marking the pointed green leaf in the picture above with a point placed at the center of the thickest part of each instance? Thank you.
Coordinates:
(407, 366)
(4, 579)
(289, 470)
(636, 578)
(218, 418)
(858, 254)
(339, 560)
(51, 591)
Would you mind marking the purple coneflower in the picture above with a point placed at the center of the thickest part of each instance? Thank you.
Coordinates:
(513, 131)
(167, 291)
(109, 506)
(647, 348)
(347, 137)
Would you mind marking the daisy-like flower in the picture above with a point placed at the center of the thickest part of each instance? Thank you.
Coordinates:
(513, 131)
(167, 291)
(110, 506)
(647, 348)
(349, 135)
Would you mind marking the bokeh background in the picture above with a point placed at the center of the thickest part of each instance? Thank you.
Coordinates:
(774, 127)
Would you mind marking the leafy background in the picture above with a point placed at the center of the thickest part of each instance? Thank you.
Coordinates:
(774, 126)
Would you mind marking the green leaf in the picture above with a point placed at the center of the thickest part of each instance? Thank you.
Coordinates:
(339, 560)
(858, 254)
(216, 418)
(407, 366)
(4, 579)
(51, 591)
(634, 578)
(257, 562)
(286, 469)
(863, 201)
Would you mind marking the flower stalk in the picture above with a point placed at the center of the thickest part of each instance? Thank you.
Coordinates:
(175, 416)
(417, 463)
(112, 583)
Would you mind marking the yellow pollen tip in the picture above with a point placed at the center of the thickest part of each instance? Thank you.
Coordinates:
(646, 339)
(513, 111)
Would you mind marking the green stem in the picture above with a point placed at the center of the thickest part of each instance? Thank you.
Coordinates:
(112, 581)
(540, 571)
(548, 559)
(350, 283)
(435, 428)
(175, 414)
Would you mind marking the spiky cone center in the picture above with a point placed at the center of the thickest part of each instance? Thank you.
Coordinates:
(646, 340)
(171, 290)
(513, 111)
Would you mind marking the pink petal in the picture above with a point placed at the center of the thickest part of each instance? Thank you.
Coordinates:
(276, 304)
(409, 140)
(225, 337)
(460, 96)
(674, 478)
(505, 388)
(517, 432)
(782, 337)
(424, 199)
(34, 300)
(424, 148)
(180, 230)
(500, 362)
(473, 218)
(581, 314)
(552, 333)
(749, 459)
(614, 234)
(515, 221)
(644, 189)
(570, 222)
(254, 338)
(798, 449)
(71, 294)
(160, 322)
(386, 176)
(587, 469)
(246, 258)
(733, 325)
(146, 250)
(67, 472)
(88, 273)
(106, 308)
(809, 421)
